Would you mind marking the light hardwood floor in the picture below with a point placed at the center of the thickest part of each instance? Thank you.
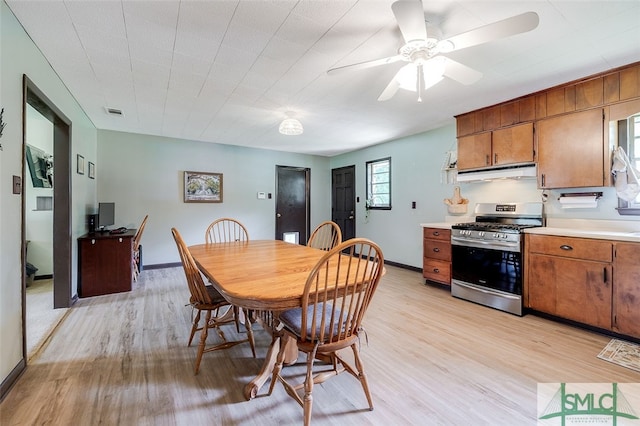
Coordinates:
(431, 360)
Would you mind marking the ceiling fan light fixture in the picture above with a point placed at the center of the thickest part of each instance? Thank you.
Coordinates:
(433, 73)
(291, 127)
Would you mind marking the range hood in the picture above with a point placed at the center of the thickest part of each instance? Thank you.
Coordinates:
(523, 171)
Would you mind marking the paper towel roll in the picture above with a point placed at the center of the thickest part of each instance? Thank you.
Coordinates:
(579, 202)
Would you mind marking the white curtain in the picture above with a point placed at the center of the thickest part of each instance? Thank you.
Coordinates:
(627, 183)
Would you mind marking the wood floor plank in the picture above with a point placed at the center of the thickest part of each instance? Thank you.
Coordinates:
(122, 359)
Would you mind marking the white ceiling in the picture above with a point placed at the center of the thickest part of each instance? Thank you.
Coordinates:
(228, 71)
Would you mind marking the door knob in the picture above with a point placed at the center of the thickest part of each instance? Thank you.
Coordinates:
(350, 217)
(278, 215)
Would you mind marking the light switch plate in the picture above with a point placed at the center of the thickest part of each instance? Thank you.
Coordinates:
(262, 195)
(17, 185)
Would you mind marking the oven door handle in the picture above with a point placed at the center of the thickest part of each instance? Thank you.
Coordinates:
(481, 290)
(484, 244)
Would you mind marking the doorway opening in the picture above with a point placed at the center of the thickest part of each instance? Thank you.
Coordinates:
(59, 201)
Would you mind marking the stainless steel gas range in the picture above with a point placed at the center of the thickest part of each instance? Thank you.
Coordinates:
(487, 255)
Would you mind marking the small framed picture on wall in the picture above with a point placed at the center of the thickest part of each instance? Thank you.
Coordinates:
(92, 170)
(80, 165)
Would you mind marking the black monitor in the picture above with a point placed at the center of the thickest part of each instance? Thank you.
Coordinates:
(106, 215)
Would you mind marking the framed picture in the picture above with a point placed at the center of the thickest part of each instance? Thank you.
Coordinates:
(92, 170)
(202, 187)
(80, 165)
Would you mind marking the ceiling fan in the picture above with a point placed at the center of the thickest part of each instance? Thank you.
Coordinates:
(426, 66)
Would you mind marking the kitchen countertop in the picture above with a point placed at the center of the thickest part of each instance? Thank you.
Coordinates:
(615, 230)
(440, 225)
(448, 221)
(580, 228)
(633, 236)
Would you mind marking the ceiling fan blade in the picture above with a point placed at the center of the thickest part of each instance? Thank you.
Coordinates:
(500, 29)
(366, 64)
(410, 17)
(391, 88)
(460, 73)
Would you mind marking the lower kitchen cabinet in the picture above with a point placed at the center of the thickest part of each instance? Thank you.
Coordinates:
(626, 290)
(571, 278)
(436, 261)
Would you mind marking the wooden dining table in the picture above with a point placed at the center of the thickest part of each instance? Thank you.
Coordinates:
(262, 275)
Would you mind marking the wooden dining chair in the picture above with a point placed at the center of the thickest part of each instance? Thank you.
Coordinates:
(326, 236)
(337, 293)
(225, 230)
(205, 298)
(136, 248)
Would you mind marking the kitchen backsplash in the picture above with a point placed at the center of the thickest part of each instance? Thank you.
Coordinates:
(525, 190)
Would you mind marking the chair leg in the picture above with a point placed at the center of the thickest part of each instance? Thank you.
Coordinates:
(236, 317)
(361, 376)
(308, 387)
(277, 368)
(194, 327)
(203, 341)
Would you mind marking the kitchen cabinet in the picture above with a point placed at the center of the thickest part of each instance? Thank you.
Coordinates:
(630, 82)
(513, 145)
(474, 151)
(571, 278)
(507, 146)
(436, 262)
(105, 263)
(571, 150)
(626, 289)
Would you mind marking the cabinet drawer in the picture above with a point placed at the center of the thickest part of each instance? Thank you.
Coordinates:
(437, 249)
(437, 234)
(437, 270)
(577, 248)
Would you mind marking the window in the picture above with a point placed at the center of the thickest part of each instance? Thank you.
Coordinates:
(379, 184)
(629, 139)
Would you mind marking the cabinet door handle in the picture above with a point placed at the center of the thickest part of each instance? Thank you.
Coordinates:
(436, 233)
(487, 159)
(605, 274)
(542, 180)
(436, 249)
(566, 247)
(495, 158)
(436, 270)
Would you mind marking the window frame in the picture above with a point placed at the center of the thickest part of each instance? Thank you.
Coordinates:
(627, 138)
(369, 184)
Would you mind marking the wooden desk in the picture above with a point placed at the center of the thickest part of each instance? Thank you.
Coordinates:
(105, 263)
(265, 275)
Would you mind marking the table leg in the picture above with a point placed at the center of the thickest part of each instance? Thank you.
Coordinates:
(251, 389)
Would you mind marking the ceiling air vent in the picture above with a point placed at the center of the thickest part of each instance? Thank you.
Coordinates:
(114, 111)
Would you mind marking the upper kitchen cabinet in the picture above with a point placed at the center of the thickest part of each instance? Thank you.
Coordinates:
(561, 129)
(571, 150)
(511, 145)
(496, 117)
(630, 83)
